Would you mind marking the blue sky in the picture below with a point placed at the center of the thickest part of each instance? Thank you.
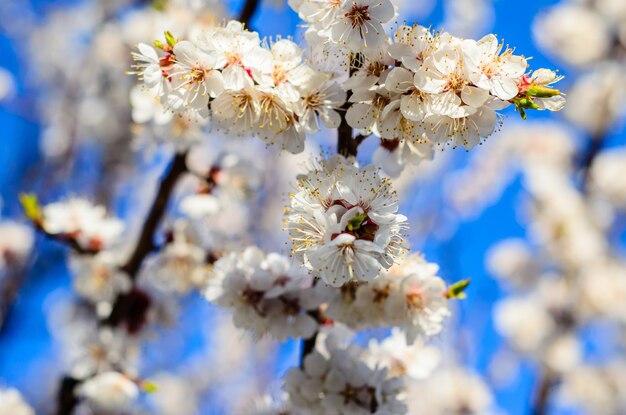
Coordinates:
(26, 340)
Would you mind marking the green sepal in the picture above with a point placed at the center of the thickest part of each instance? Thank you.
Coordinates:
(541, 91)
(149, 387)
(169, 37)
(457, 290)
(31, 207)
(159, 5)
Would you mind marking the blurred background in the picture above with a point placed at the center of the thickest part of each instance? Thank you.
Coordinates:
(66, 129)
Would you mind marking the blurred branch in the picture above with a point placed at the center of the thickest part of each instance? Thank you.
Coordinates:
(542, 399)
(68, 240)
(249, 9)
(145, 244)
(66, 398)
(595, 146)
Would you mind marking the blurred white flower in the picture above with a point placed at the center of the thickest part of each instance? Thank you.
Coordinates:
(574, 33)
(81, 220)
(266, 292)
(12, 403)
(109, 393)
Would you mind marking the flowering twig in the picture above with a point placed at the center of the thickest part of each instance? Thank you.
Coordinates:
(347, 146)
(67, 240)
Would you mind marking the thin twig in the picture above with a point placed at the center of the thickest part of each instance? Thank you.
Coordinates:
(68, 240)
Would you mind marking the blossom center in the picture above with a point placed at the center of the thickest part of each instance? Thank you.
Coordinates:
(279, 75)
(416, 300)
(197, 74)
(456, 82)
(362, 396)
(358, 15)
(233, 58)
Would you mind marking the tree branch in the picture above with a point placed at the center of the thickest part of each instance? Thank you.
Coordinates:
(542, 399)
(346, 145)
(145, 244)
(67, 240)
(596, 145)
(249, 9)
(66, 397)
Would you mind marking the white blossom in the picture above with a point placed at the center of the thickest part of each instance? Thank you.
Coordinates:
(16, 242)
(266, 292)
(409, 295)
(339, 383)
(79, 219)
(109, 392)
(344, 223)
(12, 403)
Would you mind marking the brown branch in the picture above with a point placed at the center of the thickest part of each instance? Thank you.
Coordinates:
(542, 397)
(68, 240)
(66, 397)
(308, 346)
(346, 145)
(248, 11)
(145, 244)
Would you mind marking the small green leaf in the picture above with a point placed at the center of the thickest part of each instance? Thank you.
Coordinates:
(522, 113)
(149, 386)
(159, 5)
(356, 222)
(169, 37)
(158, 44)
(541, 91)
(457, 290)
(30, 206)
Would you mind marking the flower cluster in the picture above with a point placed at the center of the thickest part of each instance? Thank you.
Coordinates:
(427, 89)
(343, 222)
(349, 25)
(409, 296)
(338, 382)
(266, 293)
(80, 220)
(416, 91)
(246, 86)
